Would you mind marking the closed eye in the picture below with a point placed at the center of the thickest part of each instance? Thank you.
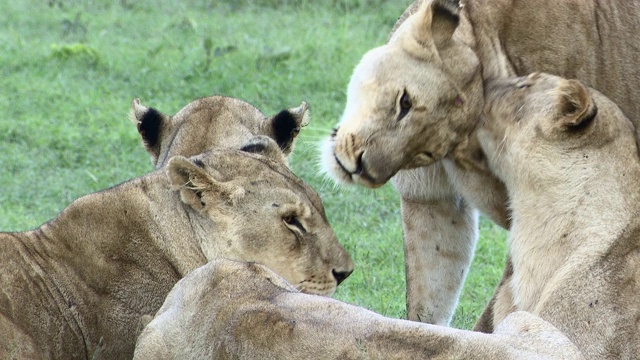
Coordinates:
(292, 222)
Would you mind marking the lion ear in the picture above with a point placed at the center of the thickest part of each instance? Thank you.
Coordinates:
(190, 178)
(285, 126)
(575, 105)
(436, 21)
(265, 146)
(151, 125)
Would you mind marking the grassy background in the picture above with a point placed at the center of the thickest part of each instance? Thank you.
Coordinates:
(70, 68)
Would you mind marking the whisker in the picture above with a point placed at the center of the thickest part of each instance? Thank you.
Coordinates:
(501, 148)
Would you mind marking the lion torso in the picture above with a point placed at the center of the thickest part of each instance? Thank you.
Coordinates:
(269, 319)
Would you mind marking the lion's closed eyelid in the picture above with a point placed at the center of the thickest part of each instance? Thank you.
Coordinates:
(293, 222)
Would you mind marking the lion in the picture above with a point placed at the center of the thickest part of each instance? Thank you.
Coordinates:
(269, 319)
(570, 160)
(413, 103)
(213, 122)
(78, 286)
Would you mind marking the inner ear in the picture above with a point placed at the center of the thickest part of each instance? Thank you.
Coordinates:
(577, 107)
(436, 22)
(585, 120)
(446, 17)
(191, 180)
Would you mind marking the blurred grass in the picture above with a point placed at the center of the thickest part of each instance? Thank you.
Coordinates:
(70, 68)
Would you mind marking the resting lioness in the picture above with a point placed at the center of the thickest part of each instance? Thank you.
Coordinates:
(76, 287)
(412, 103)
(269, 319)
(213, 122)
(571, 164)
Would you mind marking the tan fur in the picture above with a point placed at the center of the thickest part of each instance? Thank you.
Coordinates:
(269, 319)
(213, 122)
(570, 161)
(79, 286)
(440, 53)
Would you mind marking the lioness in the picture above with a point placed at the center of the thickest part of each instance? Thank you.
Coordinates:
(213, 122)
(76, 287)
(269, 319)
(571, 164)
(412, 103)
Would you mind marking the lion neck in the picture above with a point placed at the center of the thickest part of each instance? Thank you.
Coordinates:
(564, 223)
(486, 19)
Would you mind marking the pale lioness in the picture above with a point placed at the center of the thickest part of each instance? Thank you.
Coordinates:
(412, 103)
(213, 122)
(571, 164)
(233, 310)
(76, 287)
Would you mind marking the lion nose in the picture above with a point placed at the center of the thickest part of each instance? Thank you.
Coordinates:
(341, 275)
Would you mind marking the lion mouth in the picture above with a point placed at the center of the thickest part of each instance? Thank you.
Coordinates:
(360, 175)
(335, 157)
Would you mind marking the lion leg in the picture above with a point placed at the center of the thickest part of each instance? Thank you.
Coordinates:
(500, 305)
(440, 233)
(439, 240)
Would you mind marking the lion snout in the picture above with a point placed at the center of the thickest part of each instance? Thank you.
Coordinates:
(345, 156)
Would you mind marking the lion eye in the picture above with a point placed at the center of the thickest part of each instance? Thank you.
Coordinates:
(292, 222)
(405, 105)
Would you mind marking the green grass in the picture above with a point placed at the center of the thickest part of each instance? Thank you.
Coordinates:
(70, 68)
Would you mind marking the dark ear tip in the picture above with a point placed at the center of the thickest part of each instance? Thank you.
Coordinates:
(285, 127)
(149, 126)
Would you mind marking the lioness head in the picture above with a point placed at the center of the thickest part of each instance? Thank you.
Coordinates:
(216, 121)
(409, 102)
(261, 212)
(538, 127)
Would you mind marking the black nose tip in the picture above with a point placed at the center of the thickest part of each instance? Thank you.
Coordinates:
(341, 275)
